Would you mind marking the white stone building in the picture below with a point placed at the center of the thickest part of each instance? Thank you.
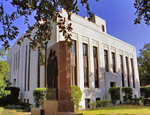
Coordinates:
(99, 61)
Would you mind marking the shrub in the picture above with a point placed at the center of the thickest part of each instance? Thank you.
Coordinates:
(39, 95)
(12, 98)
(128, 101)
(76, 95)
(115, 94)
(145, 91)
(103, 103)
(93, 105)
(128, 92)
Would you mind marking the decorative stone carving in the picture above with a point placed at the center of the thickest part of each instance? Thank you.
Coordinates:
(113, 49)
(95, 43)
(52, 70)
(85, 39)
(106, 46)
(121, 52)
(126, 54)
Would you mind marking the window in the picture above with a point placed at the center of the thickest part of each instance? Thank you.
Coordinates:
(38, 79)
(85, 65)
(133, 76)
(127, 69)
(14, 63)
(106, 60)
(95, 67)
(27, 100)
(87, 103)
(73, 64)
(14, 82)
(98, 99)
(121, 70)
(18, 59)
(103, 28)
(113, 62)
(112, 84)
(25, 67)
(45, 60)
(29, 68)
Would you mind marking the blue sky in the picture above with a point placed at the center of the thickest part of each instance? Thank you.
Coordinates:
(119, 16)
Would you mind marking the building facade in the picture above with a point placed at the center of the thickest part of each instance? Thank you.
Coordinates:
(98, 61)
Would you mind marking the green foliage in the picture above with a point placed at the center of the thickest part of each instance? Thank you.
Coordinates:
(47, 10)
(4, 69)
(93, 105)
(11, 98)
(128, 92)
(103, 103)
(76, 95)
(39, 95)
(142, 11)
(145, 91)
(115, 94)
(144, 65)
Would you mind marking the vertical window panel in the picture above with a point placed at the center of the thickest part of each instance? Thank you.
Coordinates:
(85, 65)
(127, 68)
(113, 62)
(95, 67)
(45, 60)
(38, 79)
(133, 75)
(73, 64)
(29, 68)
(106, 60)
(121, 70)
(25, 68)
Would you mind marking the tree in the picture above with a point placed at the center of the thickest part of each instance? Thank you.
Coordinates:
(142, 11)
(45, 13)
(4, 69)
(144, 65)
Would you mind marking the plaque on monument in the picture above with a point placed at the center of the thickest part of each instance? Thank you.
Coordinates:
(52, 77)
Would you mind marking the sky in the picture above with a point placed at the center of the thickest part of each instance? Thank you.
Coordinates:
(119, 16)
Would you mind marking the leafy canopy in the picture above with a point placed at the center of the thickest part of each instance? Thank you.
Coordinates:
(144, 65)
(46, 10)
(142, 11)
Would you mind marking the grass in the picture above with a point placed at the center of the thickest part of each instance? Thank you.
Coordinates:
(1, 109)
(122, 109)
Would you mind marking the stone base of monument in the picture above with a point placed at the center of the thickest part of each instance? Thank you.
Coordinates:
(55, 108)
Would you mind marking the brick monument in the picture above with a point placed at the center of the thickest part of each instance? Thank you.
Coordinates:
(58, 95)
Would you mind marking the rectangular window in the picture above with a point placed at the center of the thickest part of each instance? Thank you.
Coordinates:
(85, 65)
(121, 70)
(95, 57)
(133, 76)
(127, 69)
(103, 28)
(29, 68)
(18, 59)
(25, 67)
(113, 62)
(87, 103)
(106, 60)
(73, 64)
(14, 82)
(112, 84)
(45, 60)
(27, 100)
(14, 62)
(38, 80)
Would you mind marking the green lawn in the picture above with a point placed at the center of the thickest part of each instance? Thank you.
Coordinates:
(1, 109)
(122, 109)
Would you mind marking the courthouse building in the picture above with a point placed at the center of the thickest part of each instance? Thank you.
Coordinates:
(98, 61)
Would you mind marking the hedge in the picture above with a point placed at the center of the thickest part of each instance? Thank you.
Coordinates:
(145, 91)
(103, 103)
(39, 95)
(76, 95)
(115, 94)
(128, 92)
(12, 98)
